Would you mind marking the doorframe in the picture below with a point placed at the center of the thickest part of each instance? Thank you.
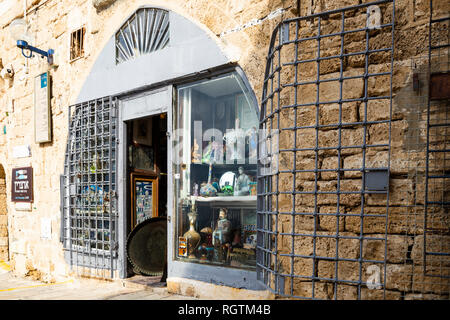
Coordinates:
(4, 193)
(146, 111)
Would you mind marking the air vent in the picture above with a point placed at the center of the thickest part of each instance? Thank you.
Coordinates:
(144, 32)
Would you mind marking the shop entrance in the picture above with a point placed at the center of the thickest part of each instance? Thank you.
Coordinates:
(143, 189)
(147, 196)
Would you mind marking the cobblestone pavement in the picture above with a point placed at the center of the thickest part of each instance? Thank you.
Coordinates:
(17, 288)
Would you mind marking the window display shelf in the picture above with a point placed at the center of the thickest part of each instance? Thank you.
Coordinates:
(225, 199)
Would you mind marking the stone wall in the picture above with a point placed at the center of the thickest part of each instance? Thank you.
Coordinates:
(335, 234)
(51, 23)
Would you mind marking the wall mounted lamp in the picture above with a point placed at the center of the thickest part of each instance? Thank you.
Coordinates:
(18, 29)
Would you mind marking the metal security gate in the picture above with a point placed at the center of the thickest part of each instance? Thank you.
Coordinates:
(89, 200)
(436, 247)
(323, 91)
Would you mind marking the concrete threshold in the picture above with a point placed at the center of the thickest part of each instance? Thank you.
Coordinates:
(149, 283)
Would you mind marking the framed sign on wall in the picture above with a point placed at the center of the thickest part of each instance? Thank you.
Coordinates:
(42, 117)
(144, 198)
(22, 184)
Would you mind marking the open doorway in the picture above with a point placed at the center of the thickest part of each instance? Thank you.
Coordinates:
(146, 172)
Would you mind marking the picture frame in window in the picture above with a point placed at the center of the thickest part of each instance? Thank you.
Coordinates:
(144, 198)
(142, 132)
(142, 157)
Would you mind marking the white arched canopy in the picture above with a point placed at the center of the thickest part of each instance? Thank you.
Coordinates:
(188, 50)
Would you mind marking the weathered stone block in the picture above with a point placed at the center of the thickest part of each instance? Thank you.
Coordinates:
(306, 138)
(398, 277)
(305, 199)
(286, 139)
(434, 243)
(347, 270)
(326, 246)
(330, 163)
(351, 88)
(330, 65)
(303, 267)
(397, 248)
(350, 138)
(306, 164)
(346, 292)
(330, 90)
(431, 284)
(305, 221)
(378, 110)
(378, 294)
(286, 161)
(330, 223)
(380, 85)
(379, 133)
(305, 289)
(401, 193)
(437, 190)
(329, 113)
(303, 245)
(350, 199)
(306, 116)
(353, 162)
(370, 224)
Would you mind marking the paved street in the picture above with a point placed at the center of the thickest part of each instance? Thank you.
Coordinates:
(147, 288)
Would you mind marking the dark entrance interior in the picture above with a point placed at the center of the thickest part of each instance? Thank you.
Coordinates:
(146, 197)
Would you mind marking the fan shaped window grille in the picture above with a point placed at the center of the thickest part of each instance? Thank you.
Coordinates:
(144, 32)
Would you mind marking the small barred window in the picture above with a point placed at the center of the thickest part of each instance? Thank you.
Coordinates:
(77, 44)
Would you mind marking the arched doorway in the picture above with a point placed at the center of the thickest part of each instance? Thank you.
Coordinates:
(4, 252)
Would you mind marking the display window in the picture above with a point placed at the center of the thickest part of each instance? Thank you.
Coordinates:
(214, 166)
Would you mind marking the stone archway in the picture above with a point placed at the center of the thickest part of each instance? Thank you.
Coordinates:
(4, 254)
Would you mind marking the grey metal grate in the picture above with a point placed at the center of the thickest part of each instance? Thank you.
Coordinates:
(89, 219)
(436, 246)
(324, 203)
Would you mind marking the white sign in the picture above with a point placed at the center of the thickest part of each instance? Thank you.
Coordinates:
(42, 121)
(46, 228)
(21, 151)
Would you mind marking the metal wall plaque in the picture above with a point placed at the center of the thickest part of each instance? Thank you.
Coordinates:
(22, 184)
(42, 119)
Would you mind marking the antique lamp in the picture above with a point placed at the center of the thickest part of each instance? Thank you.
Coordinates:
(18, 30)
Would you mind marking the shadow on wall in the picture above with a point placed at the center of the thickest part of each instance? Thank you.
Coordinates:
(4, 255)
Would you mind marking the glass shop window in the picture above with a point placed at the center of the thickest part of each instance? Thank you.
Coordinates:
(215, 147)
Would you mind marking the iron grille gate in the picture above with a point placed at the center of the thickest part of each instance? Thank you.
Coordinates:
(436, 249)
(322, 93)
(89, 215)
